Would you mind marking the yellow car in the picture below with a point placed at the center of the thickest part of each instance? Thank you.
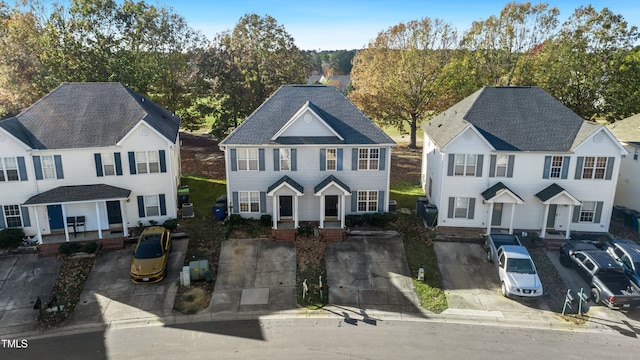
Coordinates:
(150, 256)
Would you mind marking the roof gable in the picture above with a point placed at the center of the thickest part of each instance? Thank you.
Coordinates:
(512, 119)
(306, 123)
(326, 102)
(83, 115)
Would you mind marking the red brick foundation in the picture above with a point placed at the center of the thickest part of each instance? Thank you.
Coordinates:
(286, 235)
(332, 234)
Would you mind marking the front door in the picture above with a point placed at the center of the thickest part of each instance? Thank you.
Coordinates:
(551, 219)
(286, 206)
(496, 216)
(331, 206)
(114, 214)
(55, 217)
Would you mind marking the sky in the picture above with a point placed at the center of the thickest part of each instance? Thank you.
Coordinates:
(351, 24)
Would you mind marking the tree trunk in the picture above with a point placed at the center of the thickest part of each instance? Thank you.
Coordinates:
(414, 128)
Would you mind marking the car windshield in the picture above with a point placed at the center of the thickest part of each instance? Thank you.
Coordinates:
(149, 247)
(522, 266)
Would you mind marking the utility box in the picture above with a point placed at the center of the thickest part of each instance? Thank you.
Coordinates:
(422, 201)
(198, 269)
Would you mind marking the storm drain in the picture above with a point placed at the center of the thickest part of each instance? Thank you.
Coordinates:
(256, 296)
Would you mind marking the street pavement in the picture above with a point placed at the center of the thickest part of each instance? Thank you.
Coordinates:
(367, 276)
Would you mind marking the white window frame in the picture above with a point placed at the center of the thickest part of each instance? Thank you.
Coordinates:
(285, 159)
(555, 168)
(7, 170)
(331, 159)
(249, 201)
(594, 167)
(465, 165)
(151, 205)
(502, 163)
(108, 164)
(461, 208)
(368, 158)
(247, 159)
(367, 201)
(587, 212)
(12, 216)
(147, 162)
(48, 167)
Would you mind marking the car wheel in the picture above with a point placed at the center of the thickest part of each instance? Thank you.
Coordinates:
(489, 256)
(595, 295)
(503, 289)
(564, 260)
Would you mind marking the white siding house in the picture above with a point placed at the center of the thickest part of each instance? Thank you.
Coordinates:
(92, 152)
(307, 154)
(627, 131)
(516, 158)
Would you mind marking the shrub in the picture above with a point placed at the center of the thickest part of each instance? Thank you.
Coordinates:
(90, 247)
(266, 220)
(69, 248)
(353, 220)
(305, 230)
(171, 224)
(235, 220)
(11, 238)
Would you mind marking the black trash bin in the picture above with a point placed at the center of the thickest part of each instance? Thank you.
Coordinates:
(183, 195)
(220, 211)
(422, 201)
(393, 206)
(431, 214)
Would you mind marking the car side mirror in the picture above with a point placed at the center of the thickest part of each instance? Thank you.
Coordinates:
(572, 253)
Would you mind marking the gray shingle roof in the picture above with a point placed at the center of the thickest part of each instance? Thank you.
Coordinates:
(327, 101)
(288, 180)
(549, 192)
(627, 130)
(77, 193)
(491, 192)
(79, 115)
(328, 180)
(513, 119)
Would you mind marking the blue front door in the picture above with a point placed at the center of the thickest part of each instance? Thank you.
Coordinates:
(55, 217)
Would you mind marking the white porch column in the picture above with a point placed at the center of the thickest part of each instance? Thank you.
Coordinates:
(99, 223)
(568, 232)
(123, 213)
(274, 207)
(322, 211)
(543, 231)
(490, 218)
(342, 212)
(295, 211)
(513, 211)
(64, 221)
(39, 231)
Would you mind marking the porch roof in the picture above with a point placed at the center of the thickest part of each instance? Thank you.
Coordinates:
(78, 193)
(499, 189)
(552, 191)
(288, 181)
(326, 182)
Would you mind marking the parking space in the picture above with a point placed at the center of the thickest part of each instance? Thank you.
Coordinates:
(472, 283)
(370, 272)
(255, 275)
(22, 279)
(109, 294)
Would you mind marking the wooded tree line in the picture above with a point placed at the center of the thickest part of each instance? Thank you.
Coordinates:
(409, 73)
